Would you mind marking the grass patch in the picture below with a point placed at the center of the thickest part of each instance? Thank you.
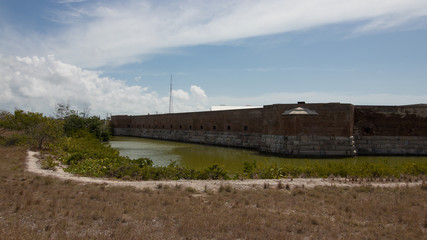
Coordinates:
(349, 169)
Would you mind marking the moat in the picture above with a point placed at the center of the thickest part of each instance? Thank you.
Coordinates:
(201, 156)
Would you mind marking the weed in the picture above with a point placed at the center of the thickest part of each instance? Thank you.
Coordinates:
(225, 188)
(351, 169)
(147, 190)
(314, 221)
(190, 190)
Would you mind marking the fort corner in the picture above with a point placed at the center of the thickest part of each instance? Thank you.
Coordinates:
(314, 130)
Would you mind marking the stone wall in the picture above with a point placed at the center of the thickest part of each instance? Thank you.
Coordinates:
(231, 139)
(410, 120)
(320, 130)
(310, 146)
(332, 119)
(245, 120)
(391, 130)
(326, 133)
(391, 145)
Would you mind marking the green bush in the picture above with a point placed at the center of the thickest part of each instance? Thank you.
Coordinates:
(48, 163)
(76, 126)
(30, 128)
(14, 140)
(214, 172)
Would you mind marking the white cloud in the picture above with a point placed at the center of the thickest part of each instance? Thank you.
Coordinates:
(39, 83)
(198, 92)
(114, 33)
(392, 21)
(180, 94)
(200, 97)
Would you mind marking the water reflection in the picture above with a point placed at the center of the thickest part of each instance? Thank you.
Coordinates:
(190, 155)
(201, 156)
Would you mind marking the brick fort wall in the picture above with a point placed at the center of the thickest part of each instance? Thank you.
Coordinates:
(316, 130)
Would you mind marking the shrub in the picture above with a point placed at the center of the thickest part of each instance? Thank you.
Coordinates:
(48, 162)
(76, 126)
(30, 128)
(14, 140)
(214, 172)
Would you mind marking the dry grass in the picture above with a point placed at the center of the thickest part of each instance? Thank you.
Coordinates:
(35, 207)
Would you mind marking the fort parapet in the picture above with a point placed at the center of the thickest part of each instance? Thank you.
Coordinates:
(314, 130)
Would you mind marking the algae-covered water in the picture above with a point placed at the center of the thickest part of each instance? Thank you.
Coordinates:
(201, 156)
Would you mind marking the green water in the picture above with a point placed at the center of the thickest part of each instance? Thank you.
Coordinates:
(200, 156)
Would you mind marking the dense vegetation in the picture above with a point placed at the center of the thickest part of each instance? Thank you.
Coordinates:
(79, 142)
(29, 128)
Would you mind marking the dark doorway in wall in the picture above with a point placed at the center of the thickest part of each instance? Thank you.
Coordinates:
(367, 131)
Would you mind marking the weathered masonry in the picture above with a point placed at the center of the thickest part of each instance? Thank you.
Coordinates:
(318, 130)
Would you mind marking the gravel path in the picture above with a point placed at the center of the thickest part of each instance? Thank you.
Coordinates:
(201, 185)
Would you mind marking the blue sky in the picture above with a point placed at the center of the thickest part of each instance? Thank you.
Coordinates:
(117, 56)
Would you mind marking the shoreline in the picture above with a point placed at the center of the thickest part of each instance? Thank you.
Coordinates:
(32, 165)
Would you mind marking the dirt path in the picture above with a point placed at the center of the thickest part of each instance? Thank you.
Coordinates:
(201, 185)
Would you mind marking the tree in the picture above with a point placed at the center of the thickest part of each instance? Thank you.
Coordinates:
(85, 113)
(64, 110)
(77, 123)
(4, 121)
(45, 130)
(38, 128)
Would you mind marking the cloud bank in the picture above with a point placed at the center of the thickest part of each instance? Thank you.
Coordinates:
(40, 83)
(99, 33)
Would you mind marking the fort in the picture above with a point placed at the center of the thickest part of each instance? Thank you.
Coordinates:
(302, 130)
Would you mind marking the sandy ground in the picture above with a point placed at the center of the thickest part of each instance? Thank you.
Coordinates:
(213, 185)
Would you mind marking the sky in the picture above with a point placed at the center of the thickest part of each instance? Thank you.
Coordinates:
(118, 57)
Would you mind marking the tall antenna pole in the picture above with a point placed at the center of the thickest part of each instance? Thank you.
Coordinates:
(170, 98)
